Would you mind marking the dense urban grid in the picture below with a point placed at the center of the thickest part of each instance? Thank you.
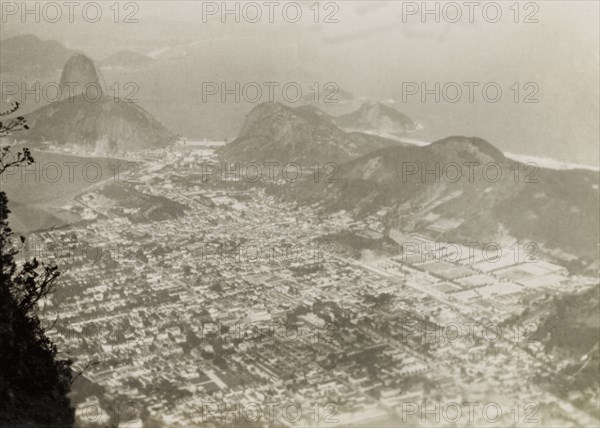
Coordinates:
(217, 302)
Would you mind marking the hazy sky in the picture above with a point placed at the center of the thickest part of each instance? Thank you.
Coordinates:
(372, 53)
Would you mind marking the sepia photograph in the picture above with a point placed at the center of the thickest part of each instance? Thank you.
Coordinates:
(310, 213)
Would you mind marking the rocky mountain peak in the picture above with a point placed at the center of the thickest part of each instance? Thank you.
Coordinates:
(80, 75)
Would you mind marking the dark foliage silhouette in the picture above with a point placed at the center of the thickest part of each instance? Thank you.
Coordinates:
(34, 382)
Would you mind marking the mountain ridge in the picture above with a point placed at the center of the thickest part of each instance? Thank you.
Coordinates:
(28, 53)
(419, 190)
(306, 135)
